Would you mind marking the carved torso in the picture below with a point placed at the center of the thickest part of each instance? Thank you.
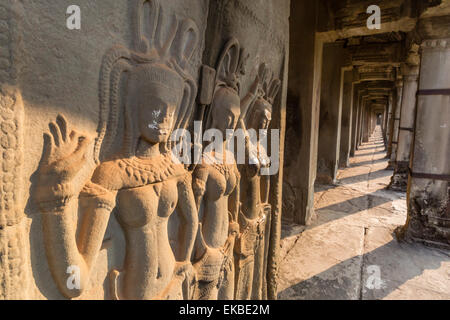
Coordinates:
(220, 183)
(147, 196)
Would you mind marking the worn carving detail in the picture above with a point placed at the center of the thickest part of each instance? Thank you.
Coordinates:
(244, 8)
(11, 143)
(13, 278)
(12, 242)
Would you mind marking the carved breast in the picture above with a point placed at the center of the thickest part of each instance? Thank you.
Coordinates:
(139, 206)
(222, 181)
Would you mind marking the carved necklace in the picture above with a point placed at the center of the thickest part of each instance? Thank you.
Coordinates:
(224, 169)
(151, 171)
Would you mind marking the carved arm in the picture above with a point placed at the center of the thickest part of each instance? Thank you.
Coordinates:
(187, 208)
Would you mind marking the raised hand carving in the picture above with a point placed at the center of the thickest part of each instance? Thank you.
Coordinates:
(63, 157)
(138, 177)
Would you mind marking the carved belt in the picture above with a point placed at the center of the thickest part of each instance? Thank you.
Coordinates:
(406, 129)
(251, 236)
(209, 266)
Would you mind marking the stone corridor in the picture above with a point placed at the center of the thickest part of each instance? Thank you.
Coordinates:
(351, 239)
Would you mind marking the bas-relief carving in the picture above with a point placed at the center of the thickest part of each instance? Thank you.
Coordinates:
(221, 243)
(140, 181)
(254, 217)
(216, 182)
(231, 250)
(12, 238)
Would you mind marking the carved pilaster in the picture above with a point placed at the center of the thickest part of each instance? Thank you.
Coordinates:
(13, 257)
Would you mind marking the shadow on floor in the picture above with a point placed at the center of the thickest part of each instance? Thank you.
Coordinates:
(372, 146)
(369, 153)
(365, 177)
(355, 205)
(396, 262)
(336, 211)
(368, 162)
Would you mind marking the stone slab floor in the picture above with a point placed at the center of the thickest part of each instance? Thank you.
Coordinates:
(350, 252)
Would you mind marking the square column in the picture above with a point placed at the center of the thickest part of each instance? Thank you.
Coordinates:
(410, 72)
(302, 113)
(346, 123)
(396, 123)
(335, 57)
(429, 179)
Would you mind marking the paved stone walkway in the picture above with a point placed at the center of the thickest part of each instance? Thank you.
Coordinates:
(350, 252)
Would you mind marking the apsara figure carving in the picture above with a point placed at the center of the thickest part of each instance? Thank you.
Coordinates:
(151, 90)
(216, 182)
(252, 245)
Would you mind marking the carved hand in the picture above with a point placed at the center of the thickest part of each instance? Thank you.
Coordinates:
(184, 268)
(63, 157)
(255, 89)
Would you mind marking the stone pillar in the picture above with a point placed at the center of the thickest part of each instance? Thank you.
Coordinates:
(390, 125)
(372, 122)
(355, 116)
(334, 58)
(303, 107)
(386, 115)
(429, 181)
(366, 119)
(346, 125)
(410, 71)
(396, 124)
(361, 119)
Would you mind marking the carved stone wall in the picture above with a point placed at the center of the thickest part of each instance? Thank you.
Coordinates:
(73, 106)
(14, 254)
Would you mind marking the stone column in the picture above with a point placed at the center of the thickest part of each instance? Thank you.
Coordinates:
(366, 121)
(346, 125)
(390, 125)
(429, 181)
(361, 119)
(396, 123)
(303, 107)
(410, 71)
(334, 58)
(355, 116)
(384, 122)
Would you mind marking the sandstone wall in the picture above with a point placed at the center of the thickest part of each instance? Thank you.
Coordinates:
(47, 70)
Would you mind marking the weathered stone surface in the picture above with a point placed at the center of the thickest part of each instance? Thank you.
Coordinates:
(97, 193)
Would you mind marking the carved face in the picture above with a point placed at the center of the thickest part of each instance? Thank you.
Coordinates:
(261, 116)
(158, 99)
(226, 110)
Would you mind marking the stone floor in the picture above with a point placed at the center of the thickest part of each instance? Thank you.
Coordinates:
(349, 251)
